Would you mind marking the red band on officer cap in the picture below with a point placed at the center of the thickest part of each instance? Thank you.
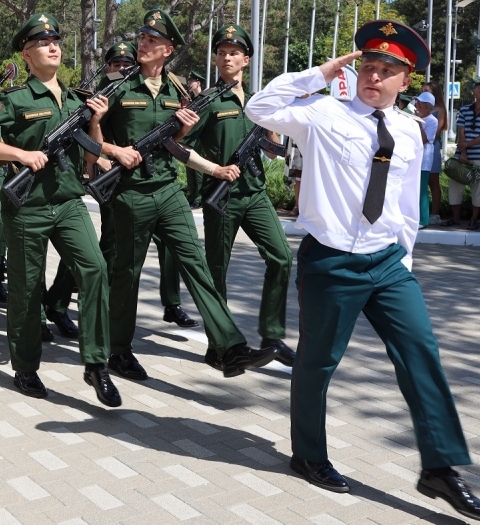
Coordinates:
(394, 49)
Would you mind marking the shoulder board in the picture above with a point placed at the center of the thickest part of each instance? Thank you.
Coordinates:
(14, 88)
(409, 115)
(82, 93)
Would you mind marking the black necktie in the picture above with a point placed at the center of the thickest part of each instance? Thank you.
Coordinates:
(373, 205)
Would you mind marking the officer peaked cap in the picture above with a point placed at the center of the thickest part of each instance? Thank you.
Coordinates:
(393, 42)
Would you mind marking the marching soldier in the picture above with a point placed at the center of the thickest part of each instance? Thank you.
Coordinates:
(121, 55)
(53, 211)
(222, 128)
(155, 204)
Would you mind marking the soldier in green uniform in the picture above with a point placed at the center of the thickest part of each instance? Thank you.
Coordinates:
(194, 178)
(222, 128)
(124, 54)
(155, 204)
(53, 211)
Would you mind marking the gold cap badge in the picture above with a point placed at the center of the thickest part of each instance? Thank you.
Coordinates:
(389, 30)
(157, 16)
(43, 19)
(383, 46)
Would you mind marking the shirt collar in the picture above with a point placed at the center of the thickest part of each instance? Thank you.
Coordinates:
(364, 110)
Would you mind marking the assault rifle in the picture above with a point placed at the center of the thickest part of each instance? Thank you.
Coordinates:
(102, 187)
(60, 139)
(243, 156)
(93, 75)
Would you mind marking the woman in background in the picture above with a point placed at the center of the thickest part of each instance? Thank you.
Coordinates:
(440, 112)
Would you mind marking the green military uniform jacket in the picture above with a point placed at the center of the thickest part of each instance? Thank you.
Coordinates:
(132, 113)
(27, 114)
(222, 127)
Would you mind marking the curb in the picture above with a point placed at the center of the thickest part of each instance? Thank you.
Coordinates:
(426, 236)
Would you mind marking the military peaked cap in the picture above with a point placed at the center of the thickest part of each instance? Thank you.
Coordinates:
(39, 26)
(393, 42)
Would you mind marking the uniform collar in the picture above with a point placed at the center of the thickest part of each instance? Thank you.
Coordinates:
(364, 110)
(39, 87)
(221, 83)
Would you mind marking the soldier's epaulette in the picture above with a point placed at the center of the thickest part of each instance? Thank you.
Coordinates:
(409, 115)
(14, 88)
(82, 93)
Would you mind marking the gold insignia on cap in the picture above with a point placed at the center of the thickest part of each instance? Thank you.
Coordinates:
(383, 46)
(122, 46)
(151, 23)
(47, 26)
(157, 16)
(388, 30)
(230, 30)
(122, 52)
(43, 19)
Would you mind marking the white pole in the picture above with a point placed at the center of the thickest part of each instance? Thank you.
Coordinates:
(237, 13)
(478, 47)
(335, 31)
(451, 133)
(262, 44)
(209, 50)
(429, 35)
(355, 25)
(255, 41)
(94, 24)
(312, 35)
(287, 38)
(377, 10)
(75, 50)
(448, 46)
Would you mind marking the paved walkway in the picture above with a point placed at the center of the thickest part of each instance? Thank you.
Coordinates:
(189, 445)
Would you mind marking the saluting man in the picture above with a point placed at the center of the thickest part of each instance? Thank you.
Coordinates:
(53, 211)
(145, 205)
(222, 128)
(359, 205)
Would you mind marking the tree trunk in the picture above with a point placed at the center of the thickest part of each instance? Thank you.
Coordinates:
(110, 23)
(86, 39)
(24, 11)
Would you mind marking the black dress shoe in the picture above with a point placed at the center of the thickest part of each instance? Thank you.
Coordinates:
(176, 314)
(452, 489)
(30, 384)
(47, 335)
(98, 377)
(212, 359)
(127, 365)
(3, 294)
(240, 357)
(322, 475)
(64, 324)
(286, 355)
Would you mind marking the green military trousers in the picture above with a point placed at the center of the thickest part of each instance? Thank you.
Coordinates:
(169, 272)
(165, 213)
(333, 288)
(69, 228)
(59, 295)
(258, 219)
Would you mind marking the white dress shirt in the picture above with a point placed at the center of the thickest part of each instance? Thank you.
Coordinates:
(338, 141)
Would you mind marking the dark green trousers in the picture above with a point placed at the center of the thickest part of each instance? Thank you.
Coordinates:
(69, 228)
(169, 272)
(165, 213)
(258, 219)
(333, 288)
(59, 295)
(194, 184)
